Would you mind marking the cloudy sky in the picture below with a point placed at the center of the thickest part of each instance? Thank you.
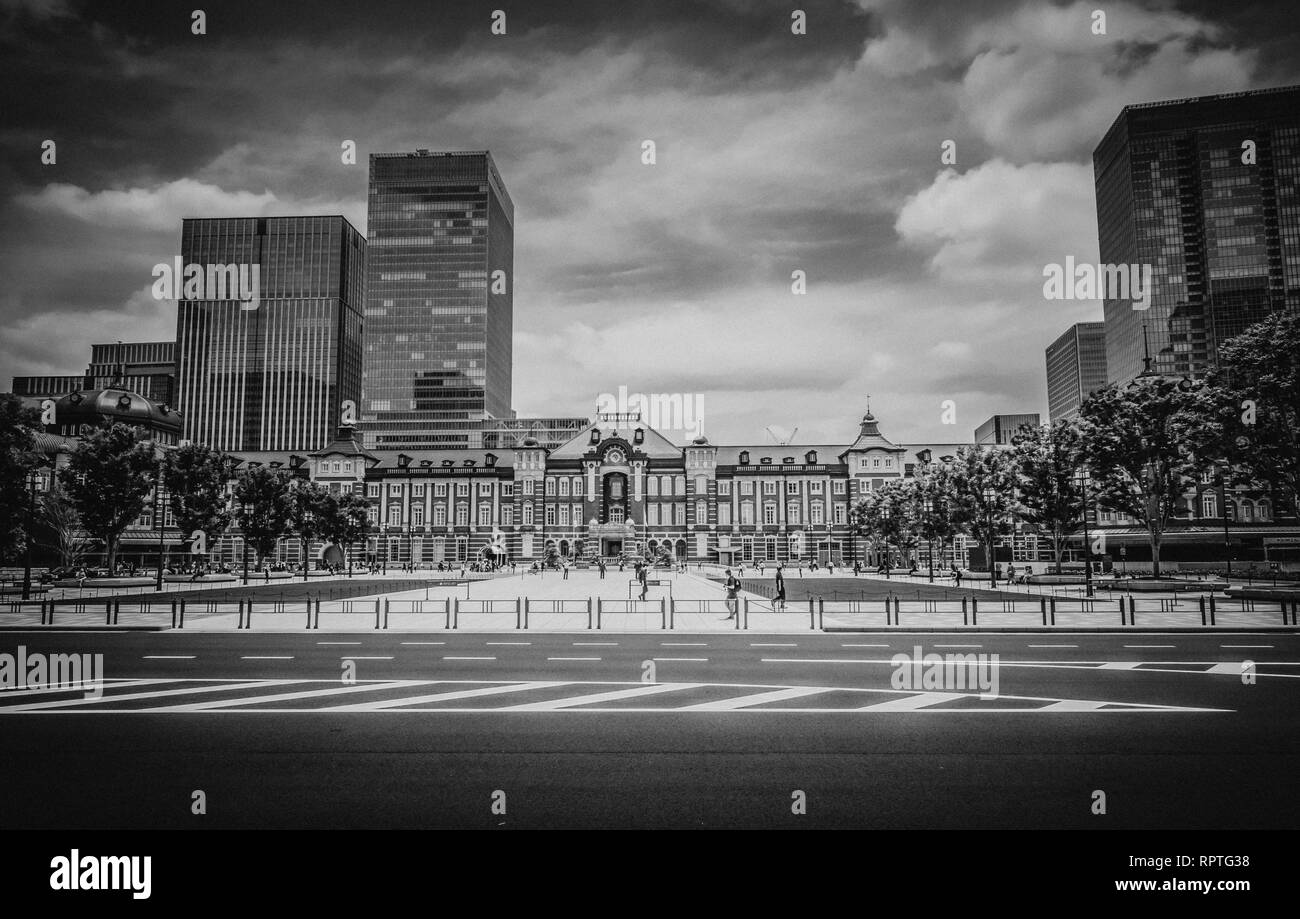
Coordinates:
(776, 152)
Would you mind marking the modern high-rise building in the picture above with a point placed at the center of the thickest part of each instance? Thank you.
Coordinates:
(439, 300)
(1076, 366)
(274, 375)
(999, 429)
(1207, 192)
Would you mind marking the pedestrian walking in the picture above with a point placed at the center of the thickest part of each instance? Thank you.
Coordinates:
(641, 576)
(779, 599)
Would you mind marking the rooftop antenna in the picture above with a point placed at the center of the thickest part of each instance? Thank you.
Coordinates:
(1146, 352)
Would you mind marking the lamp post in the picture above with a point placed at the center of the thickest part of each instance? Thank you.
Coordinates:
(404, 462)
(1087, 545)
(884, 520)
(991, 495)
(158, 520)
(33, 486)
(1223, 507)
(929, 516)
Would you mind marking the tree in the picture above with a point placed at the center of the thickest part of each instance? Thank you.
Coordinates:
(264, 508)
(65, 531)
(310, 505)
(934, 492)
(108, 479)
(196, 477)
(983, 485)
(1047, 470)
(1133, 442)
(18, 427)
(1248, 414)
(886, 515)
(345, 521)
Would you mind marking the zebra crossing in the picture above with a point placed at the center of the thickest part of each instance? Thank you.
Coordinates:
(333, 697)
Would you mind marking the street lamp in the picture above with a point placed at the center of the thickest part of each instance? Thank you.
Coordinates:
(929, 516)
(884, 519)
(1223, 507)
(404, 462)
(1087, 545)
(991, 495)
(158, 520)
(34, 483)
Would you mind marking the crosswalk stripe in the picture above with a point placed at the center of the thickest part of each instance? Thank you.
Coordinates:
(635, 692)
(282, 696)
(912, 703)
(758, 698)
(441, 697)
(1073, 705)
(190, 690)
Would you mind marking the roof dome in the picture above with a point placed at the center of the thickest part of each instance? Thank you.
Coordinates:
(701, 441)
(113, 405)
(529, 441)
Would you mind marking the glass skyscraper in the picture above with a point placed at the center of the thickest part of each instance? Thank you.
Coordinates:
(439, 300)
(1222, 235)
(274, 377)
(1076, 366)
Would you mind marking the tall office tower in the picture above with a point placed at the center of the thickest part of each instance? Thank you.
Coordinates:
(999, 429)
(144, 367)
(1076, 365)
(272, 377)
(1206, 192)
(439, 300)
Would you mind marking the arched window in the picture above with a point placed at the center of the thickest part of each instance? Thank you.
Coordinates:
(1264, 510)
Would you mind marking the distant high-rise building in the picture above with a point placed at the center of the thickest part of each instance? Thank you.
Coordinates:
(144, 367)
(49, 387)
(999, 429)
(1076, 365)
(439, 300)
(1207, 192)
(272, 377)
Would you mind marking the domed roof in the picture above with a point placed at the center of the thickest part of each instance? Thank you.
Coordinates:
(701, 441)
(114, 406)
(529, 441)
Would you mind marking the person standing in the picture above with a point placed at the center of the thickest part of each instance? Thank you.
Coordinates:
(732, 586)
(566, 570)
(641, 576)
(779, 598)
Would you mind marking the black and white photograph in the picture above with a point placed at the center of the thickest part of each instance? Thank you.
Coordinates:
(874, 415)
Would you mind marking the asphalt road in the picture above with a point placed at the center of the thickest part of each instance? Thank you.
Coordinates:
(426, 727)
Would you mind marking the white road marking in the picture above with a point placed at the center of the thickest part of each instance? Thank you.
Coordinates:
(61, 703)
(912, 703)
(648, 689)
(1120, 665)
(441, 697)
(1245, 646)
(468, 658)
(266, 657)
(424, 642)
(514, 643)
(958, 646)
(775, 695)
(1150, 646)
(573, 658)
(595, 644)
(373, 657)
(864, 646)
(757, 644)
(681, 660)
(338, 642)
(276, 697)
(1053, 646)
(168, 657)
(683, 644)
